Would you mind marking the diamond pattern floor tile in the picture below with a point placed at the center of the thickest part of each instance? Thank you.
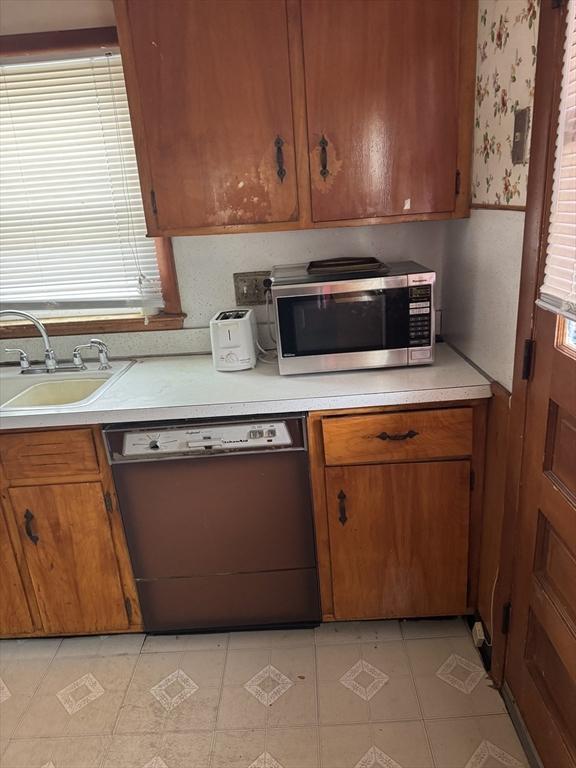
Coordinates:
(268, 685)
(376, 679)
(375, 757)
(174, 689)
(346, 695)
(265, 760)
(80, 693)
(460, 673)
(487, 753)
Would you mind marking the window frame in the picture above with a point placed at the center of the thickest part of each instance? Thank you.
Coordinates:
(171, 317)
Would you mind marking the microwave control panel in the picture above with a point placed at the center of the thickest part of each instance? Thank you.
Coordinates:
(420, 315)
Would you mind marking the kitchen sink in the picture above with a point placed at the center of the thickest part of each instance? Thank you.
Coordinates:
(56, 390)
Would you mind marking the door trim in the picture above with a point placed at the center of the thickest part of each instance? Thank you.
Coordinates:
(539, 197)
(520, 727)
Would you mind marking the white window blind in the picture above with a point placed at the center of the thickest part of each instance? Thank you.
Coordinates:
(558, 291)
(72, 231)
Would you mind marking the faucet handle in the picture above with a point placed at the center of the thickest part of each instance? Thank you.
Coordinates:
(24, 361)
(77, 357)
(50, 360)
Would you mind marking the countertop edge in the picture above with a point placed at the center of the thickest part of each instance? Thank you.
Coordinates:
(259, 407)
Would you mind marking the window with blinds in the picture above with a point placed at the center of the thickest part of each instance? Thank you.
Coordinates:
(72, 231)
(558, 291)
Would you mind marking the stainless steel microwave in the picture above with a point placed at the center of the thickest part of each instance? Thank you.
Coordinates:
(345, 314)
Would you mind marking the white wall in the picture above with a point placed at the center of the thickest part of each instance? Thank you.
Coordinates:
(205, 265)
(19, 17)
(481, 285)
(484, 252)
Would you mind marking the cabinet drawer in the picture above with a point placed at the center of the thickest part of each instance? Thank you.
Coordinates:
(36, 455)
(403, 436)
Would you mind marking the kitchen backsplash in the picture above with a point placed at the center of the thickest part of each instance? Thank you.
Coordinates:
(505, 67)
(205, 265)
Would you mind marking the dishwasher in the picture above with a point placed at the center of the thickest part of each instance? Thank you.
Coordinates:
(218, 520)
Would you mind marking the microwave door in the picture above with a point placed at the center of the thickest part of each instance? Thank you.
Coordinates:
(329, 323)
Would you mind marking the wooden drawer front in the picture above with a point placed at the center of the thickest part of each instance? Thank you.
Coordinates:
(31, 455)
(398, 436)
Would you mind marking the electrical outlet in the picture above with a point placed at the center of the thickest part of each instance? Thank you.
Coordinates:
(249, 288)
(478, 634)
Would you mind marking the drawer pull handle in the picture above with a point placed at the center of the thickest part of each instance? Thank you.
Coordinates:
(404, 436)
(323, 144)
(342, 516)
(28, 517)
(281, 172)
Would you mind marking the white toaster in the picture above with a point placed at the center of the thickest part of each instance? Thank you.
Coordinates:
(233, 338)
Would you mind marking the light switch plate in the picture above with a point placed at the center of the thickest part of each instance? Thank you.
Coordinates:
(520, 137)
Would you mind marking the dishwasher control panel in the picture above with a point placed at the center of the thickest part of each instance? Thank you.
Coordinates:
(216, 438)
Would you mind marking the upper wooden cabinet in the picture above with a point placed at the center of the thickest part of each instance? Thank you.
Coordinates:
(278, 114)
(209, 91)
(382, 101)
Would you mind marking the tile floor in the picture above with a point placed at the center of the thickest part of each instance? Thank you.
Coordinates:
(356, 695)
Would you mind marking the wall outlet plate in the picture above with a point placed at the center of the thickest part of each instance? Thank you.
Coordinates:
(478, 634)
(249, 288)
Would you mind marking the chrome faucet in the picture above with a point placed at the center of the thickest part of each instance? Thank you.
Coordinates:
(49, 357)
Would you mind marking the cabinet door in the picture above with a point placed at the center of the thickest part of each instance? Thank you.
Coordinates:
(70, 554)
(15, 618)
(382, 92)
(399, 539)
(209, 91)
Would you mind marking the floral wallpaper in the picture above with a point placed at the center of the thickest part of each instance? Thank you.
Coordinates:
(506, 62)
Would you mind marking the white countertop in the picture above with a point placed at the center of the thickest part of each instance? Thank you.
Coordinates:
(161, 388)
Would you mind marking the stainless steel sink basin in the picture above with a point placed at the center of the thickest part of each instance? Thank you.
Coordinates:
(56, 391)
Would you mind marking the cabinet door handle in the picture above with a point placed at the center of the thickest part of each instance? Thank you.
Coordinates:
(28, 517)
(281, 172)
(342, 516)
(324, 172)
(403, 436)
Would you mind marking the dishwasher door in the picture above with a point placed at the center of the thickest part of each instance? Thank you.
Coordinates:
(224, 541)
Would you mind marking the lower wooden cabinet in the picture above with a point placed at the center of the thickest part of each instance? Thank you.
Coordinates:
(15, 616)
(64, 562)
(397, 506)
(399, 538)
(66, 537)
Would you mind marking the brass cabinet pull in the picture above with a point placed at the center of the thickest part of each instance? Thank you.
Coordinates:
(281, 172)
(28, 517)
(404, 436)
(342, 516)
(324, 172)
